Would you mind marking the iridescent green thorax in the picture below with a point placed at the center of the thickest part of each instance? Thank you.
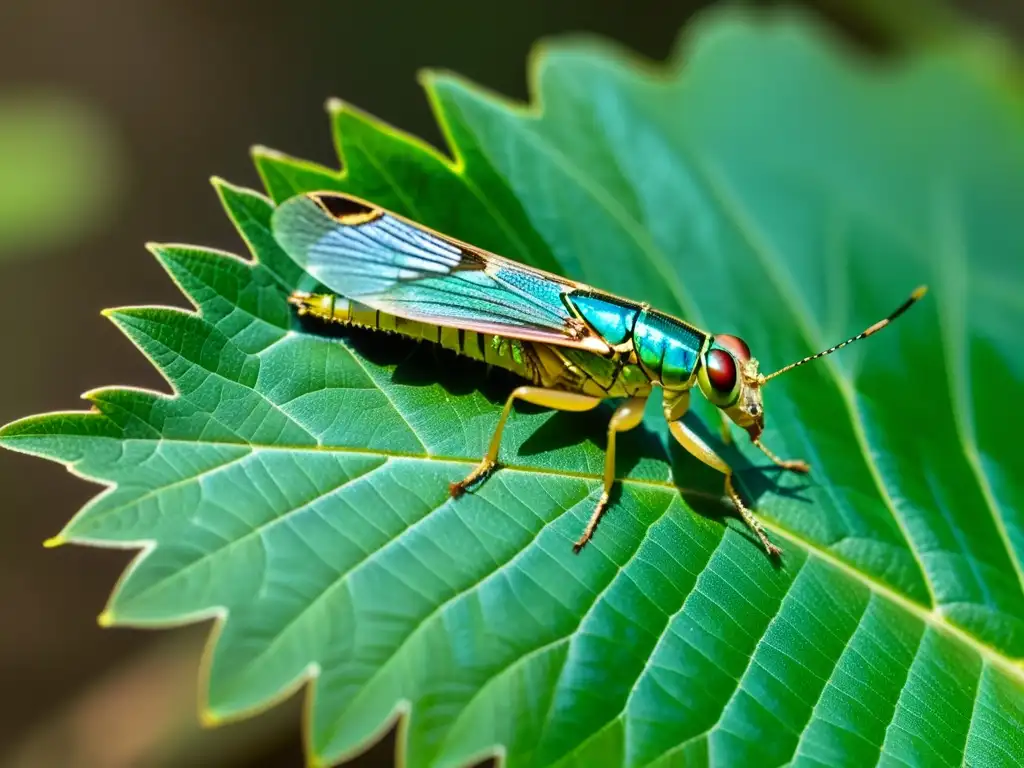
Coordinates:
(667, 349)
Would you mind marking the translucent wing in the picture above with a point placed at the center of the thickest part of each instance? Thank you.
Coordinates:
(386, 262)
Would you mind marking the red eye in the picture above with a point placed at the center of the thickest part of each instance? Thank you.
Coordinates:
(721, 371)
(734, 344)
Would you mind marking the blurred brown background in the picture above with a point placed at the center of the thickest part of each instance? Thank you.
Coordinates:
(154, 97)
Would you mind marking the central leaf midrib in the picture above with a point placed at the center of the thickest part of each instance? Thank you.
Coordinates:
(930, 617)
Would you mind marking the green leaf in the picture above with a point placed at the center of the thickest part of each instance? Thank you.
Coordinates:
(61, 168)
(768, 184)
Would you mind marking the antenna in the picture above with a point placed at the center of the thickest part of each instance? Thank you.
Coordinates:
(914, 297)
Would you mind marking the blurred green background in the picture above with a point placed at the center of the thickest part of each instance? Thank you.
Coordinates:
(113, 116)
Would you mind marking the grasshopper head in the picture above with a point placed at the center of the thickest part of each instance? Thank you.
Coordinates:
(729, 378)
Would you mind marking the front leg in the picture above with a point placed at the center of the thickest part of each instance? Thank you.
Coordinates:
(696, 447)
(793, 465)
(726, 427)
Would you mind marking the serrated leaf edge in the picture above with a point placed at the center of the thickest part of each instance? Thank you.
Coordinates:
(532, 108)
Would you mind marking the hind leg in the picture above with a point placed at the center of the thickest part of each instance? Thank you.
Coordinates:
(546, 398)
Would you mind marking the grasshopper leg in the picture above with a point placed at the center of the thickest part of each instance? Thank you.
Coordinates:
(626, 417)
(546, 398)
(793, 465)
(687, 438)
(725, 428)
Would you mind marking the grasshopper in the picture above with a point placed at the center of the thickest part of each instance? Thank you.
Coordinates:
(573, 345)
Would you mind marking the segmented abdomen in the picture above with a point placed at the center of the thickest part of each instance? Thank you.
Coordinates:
(543, 365)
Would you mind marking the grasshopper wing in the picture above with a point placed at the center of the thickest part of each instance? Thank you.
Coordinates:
(375, 257)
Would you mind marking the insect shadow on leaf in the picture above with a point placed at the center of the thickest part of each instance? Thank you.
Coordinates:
(701, 487)
(419, 363)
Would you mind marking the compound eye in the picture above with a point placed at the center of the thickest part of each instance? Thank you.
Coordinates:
(722, 374)
(734, 344)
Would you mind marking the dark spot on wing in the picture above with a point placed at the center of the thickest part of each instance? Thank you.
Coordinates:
(471, 260)
(345, 209)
